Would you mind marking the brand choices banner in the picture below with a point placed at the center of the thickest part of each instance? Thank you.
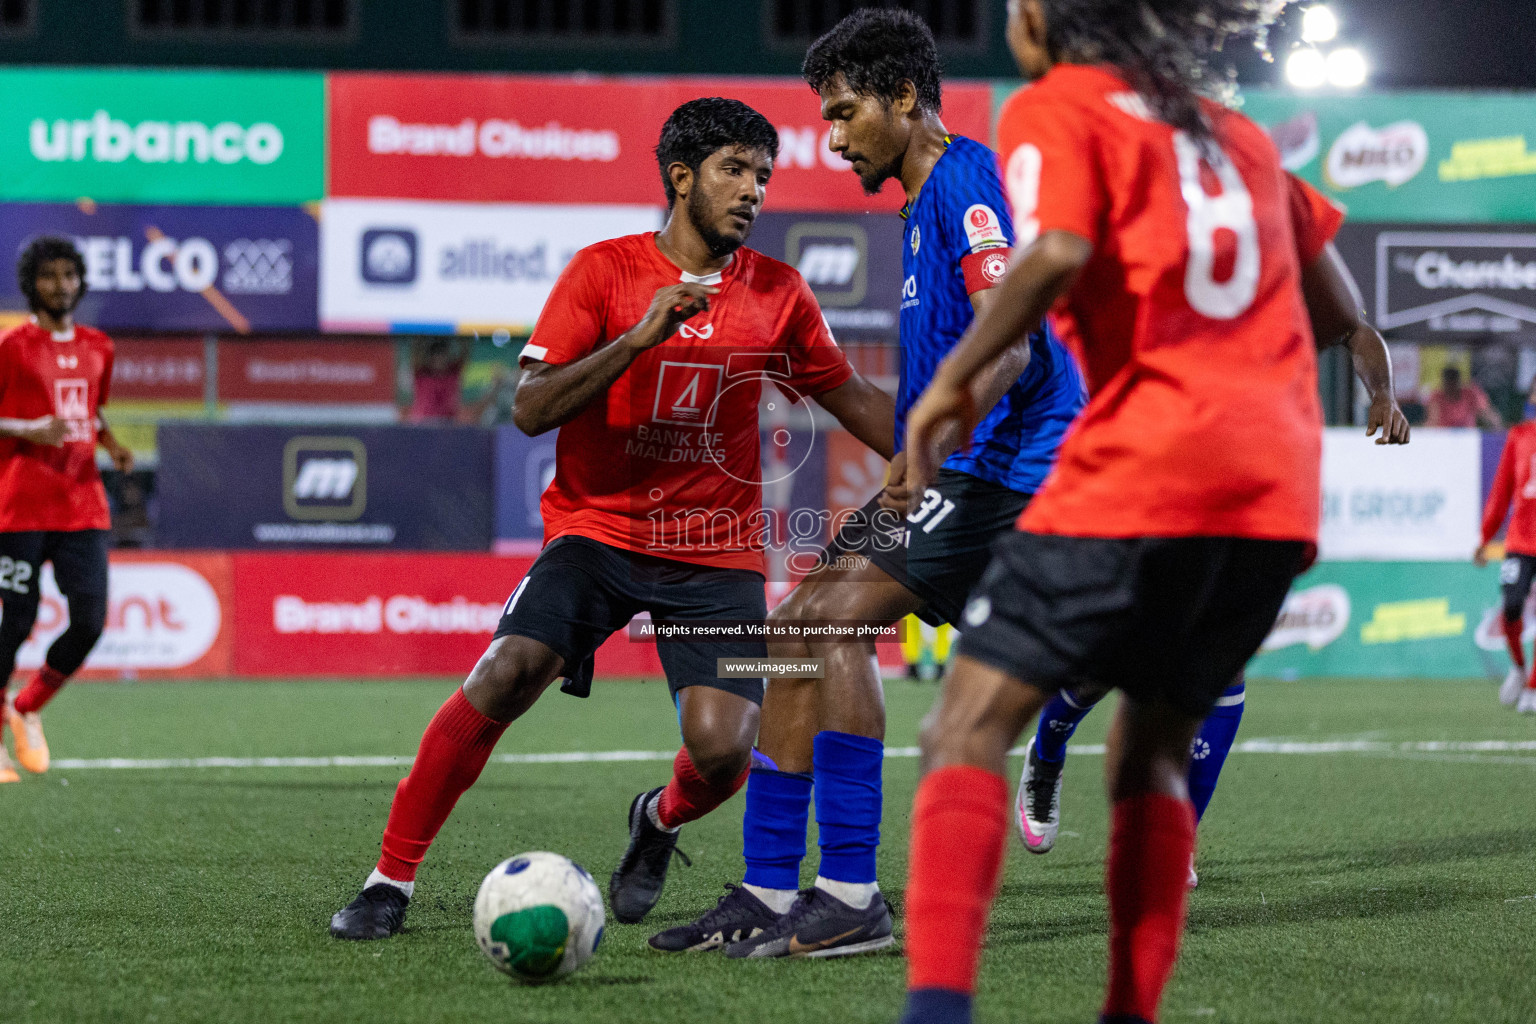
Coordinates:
(182, 268)
(567, 139)
(1417, 502)
(285, 487)
(162, 136)
(412, 267)
(1413, 157)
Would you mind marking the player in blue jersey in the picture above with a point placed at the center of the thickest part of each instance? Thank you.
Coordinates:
(878, 76)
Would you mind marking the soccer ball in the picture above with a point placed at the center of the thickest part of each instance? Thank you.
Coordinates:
(539, 916)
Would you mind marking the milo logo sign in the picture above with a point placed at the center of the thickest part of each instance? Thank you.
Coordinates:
(201, 137)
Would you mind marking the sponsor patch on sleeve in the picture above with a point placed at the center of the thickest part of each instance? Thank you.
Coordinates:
(983, 229)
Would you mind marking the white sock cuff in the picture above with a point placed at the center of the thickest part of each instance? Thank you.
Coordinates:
(653, 811)
(777, 900)
(378, 878)
(856, 894)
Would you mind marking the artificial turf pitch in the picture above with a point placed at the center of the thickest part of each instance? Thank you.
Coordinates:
(1352, 886)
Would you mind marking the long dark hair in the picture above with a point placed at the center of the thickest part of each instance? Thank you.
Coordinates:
(1169, 50)
(42, 250)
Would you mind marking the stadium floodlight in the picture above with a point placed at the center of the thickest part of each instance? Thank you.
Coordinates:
(1319, 24)
(1346, 68)
(1306, 68)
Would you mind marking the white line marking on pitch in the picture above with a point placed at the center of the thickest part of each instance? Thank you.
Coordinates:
(1462, 750)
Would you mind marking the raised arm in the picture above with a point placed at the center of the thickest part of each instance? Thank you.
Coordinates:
(553, 394)
(948, 408)
(1333, 302)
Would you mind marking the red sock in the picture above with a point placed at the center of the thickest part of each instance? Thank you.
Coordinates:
(1151, 840)
(40, 690)
(454, 749)
(689, 795)
(959, 832)
(1512, 630)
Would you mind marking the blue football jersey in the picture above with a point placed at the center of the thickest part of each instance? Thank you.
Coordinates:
(958, 233)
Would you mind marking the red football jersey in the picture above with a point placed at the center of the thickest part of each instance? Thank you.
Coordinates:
(1203, 417)
(667, 462)
(44, 487)
(1514, 483)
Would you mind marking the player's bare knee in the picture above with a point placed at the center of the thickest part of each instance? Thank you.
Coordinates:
(718, 760)
(510, 676)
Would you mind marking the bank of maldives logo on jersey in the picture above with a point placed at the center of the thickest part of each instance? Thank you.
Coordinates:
(325, 478)
(687, 393)
(72, 403)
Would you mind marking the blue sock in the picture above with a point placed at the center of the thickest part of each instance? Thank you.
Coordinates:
(848, 770)
(1217, 734)
(773, 829)
(937, 1006)
(1057, 724)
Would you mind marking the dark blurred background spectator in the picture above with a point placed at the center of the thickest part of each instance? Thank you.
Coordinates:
(1460, 403)
(437, 375)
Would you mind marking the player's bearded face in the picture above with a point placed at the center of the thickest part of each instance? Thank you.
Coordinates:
(864, 132)
(58, 286)
(726, 196)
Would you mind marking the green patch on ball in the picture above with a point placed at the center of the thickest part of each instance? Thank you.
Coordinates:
(535, 938)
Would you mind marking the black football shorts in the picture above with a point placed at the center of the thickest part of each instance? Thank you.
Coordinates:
(1515, 575)
(1165, 619)
(940, 550)
(579, 592)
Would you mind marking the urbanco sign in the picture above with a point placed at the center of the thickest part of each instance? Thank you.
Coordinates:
(162, 136)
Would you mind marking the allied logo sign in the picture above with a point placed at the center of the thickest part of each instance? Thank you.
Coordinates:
(455, 266)
(389, 256)
(1362, 154)
(162, 136)
(325, 478)
(833, 257)
(1463, 281)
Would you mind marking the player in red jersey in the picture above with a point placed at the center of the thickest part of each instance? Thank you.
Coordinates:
(54, 378)
(650, 356)
(1515, 484)
(1161, 233)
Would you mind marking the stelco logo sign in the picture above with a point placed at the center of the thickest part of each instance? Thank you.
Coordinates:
(105, 139)
(260, 266)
